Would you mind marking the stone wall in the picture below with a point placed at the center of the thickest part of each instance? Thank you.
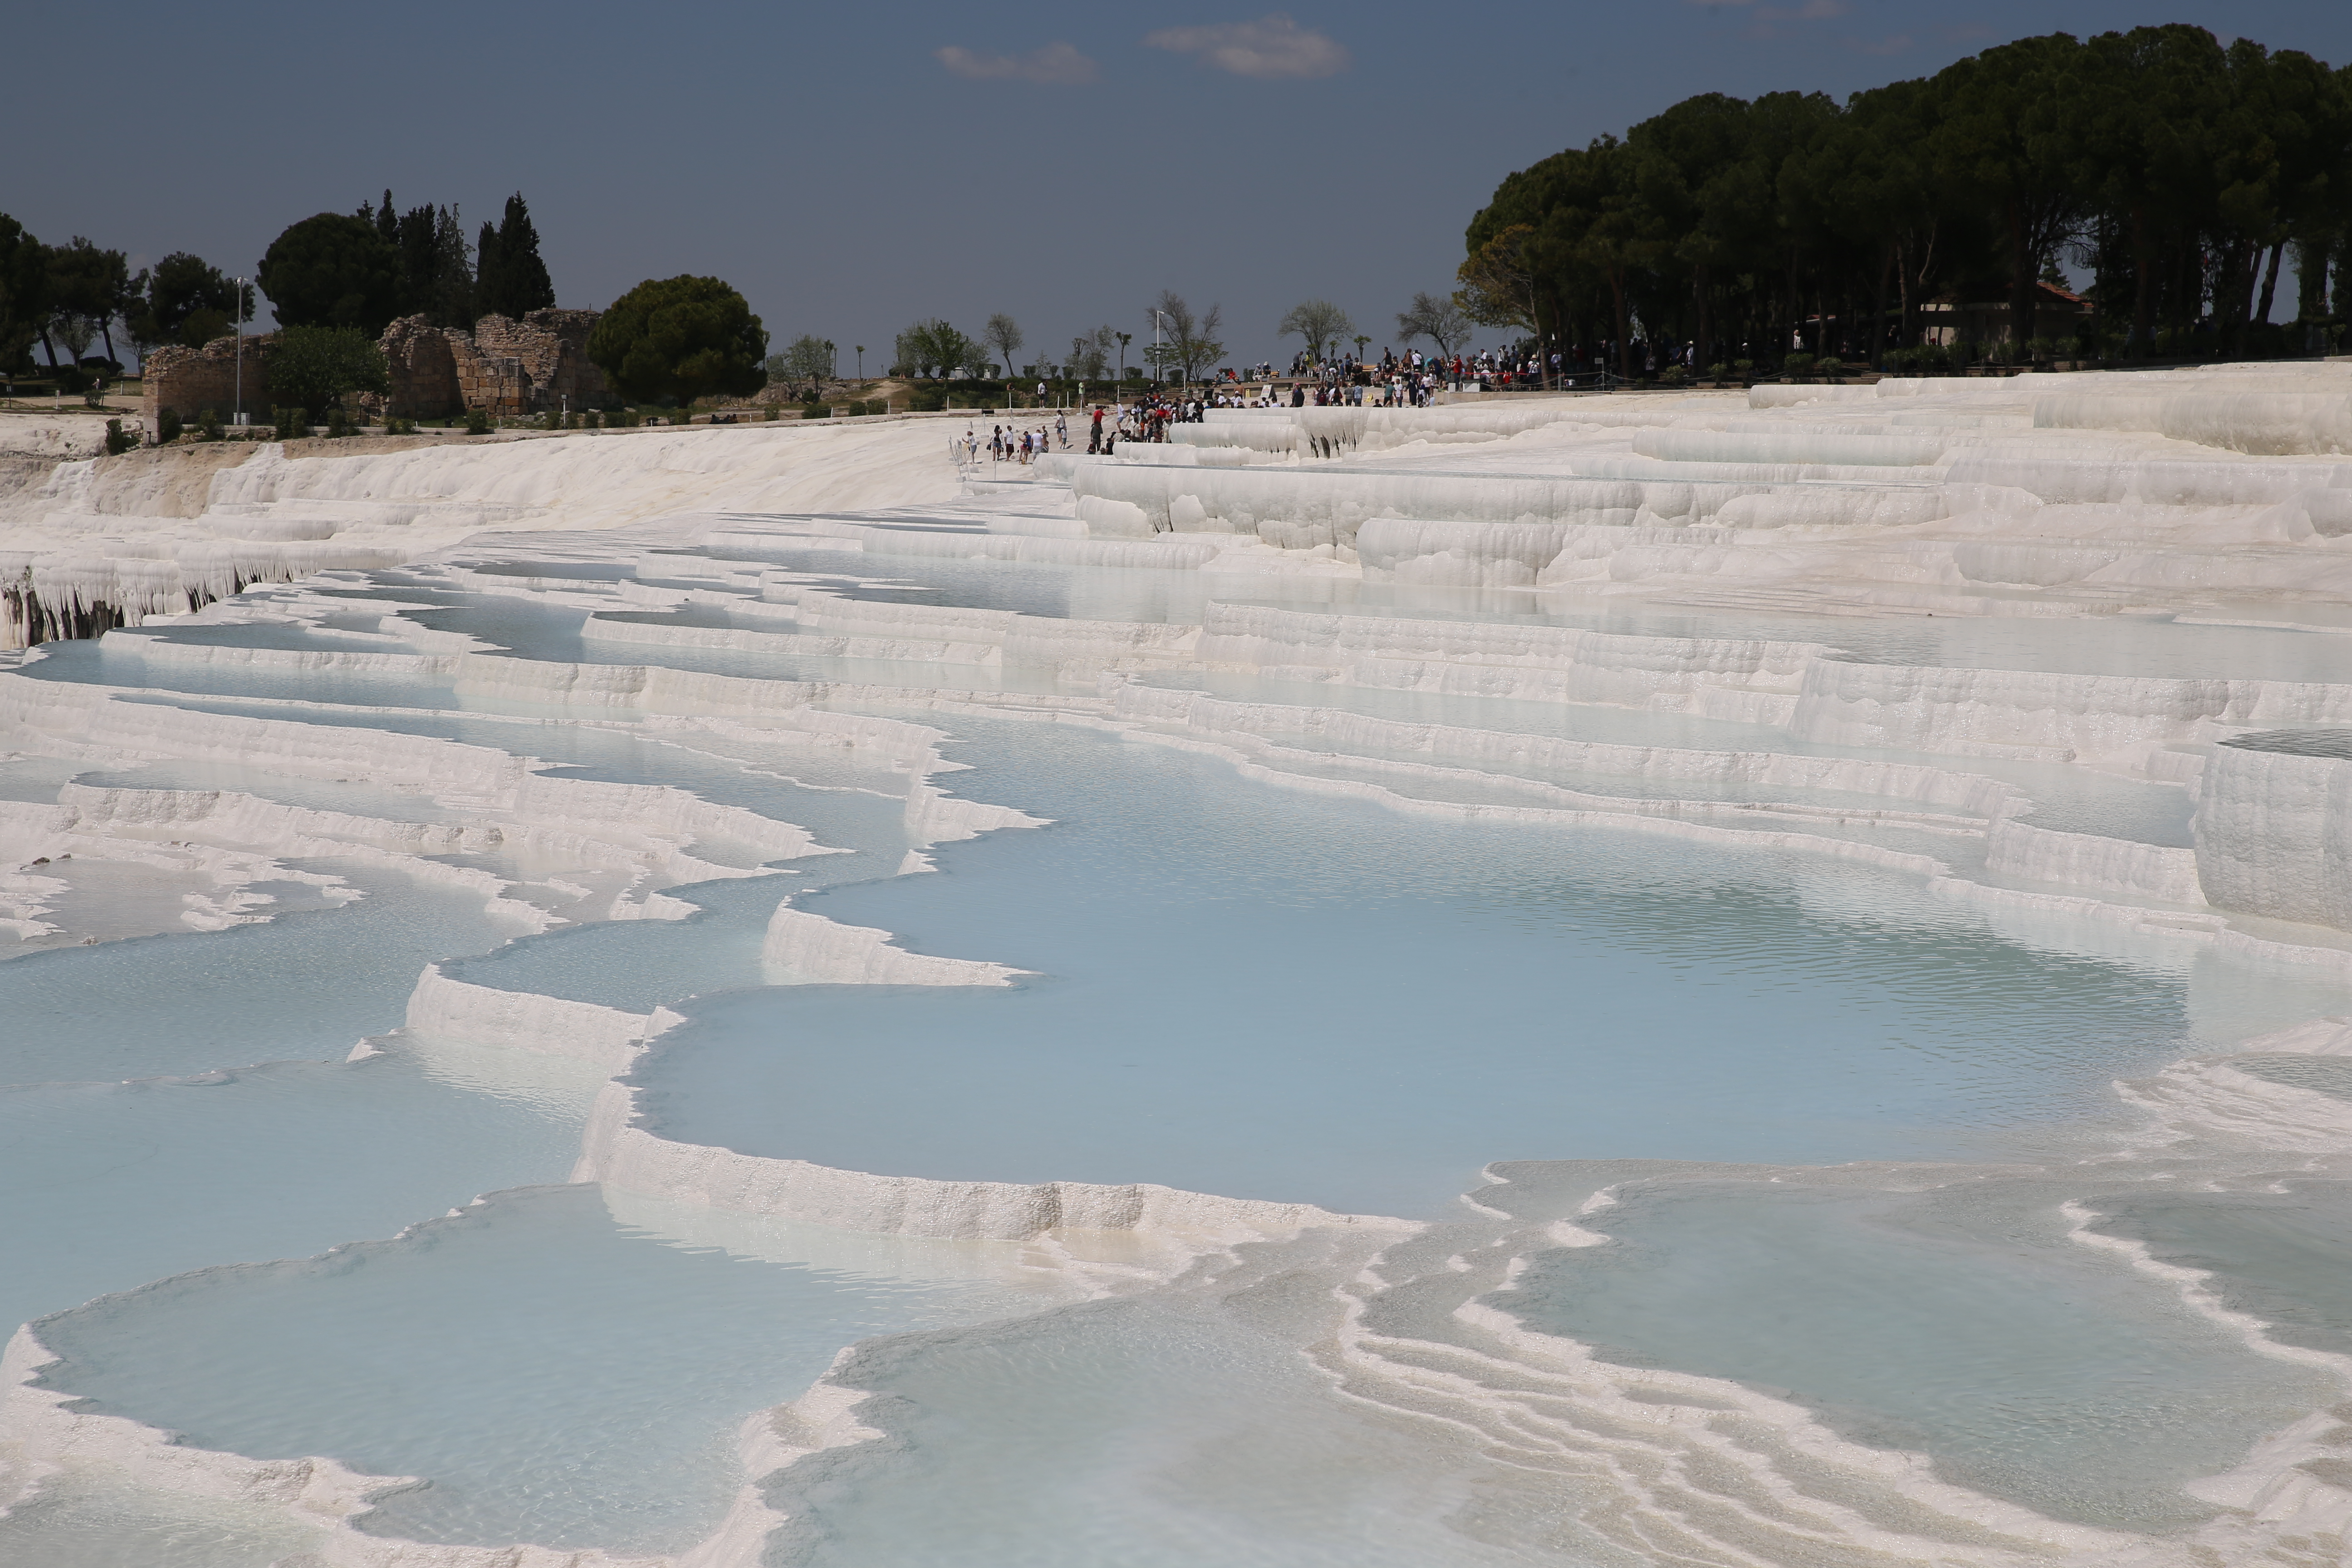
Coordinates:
(421, 372)
(551, 348)
(510, 369)
(496, 383)
(189, 380)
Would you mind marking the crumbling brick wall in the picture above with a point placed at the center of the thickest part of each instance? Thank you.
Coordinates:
(492, 382)
(420, 371)
(189, 380)
(576, 375)
(551, 348)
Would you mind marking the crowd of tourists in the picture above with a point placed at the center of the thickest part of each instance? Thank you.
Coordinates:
(1147, 419)
(1007, 445)
(1407, 380)
(1411, 379)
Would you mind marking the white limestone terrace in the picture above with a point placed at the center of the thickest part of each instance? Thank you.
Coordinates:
(2064, 653)
(166, 530)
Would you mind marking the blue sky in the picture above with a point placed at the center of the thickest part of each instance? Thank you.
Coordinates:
(852, 168)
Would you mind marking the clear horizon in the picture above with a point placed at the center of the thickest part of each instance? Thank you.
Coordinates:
(852, 172)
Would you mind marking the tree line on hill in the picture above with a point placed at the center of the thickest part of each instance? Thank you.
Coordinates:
(62, 298)
(2178, 173)
(335, 280)
(368, 269)
(1182, 342)
(330, 270)
(666, 341)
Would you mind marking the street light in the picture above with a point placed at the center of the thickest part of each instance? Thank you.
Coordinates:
(239, 323)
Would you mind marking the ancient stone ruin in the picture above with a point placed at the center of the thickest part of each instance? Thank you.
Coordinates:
(194, 380)
(504, 367)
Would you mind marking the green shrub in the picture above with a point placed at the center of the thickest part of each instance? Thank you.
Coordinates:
(118, 440)
(771, 412)
(478, 422)
(338, 423)
(167, 427)
(927, 402)
(1718, 370)
(683, 416)
(1830, 368)
(317, 366)
(1800, 364)
(208, 426)
(817, 411)
(589, 421)
(394, 426)
(1743, 368)
(292, 424)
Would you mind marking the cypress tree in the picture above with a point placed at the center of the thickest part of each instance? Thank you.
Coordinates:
(489, 274)
(522, 281)
(453, 285)
(418, 261)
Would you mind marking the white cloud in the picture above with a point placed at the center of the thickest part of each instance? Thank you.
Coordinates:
(1058, 63)
(1269, 47)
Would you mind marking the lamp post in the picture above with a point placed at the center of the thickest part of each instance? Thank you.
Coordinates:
(239, 324)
